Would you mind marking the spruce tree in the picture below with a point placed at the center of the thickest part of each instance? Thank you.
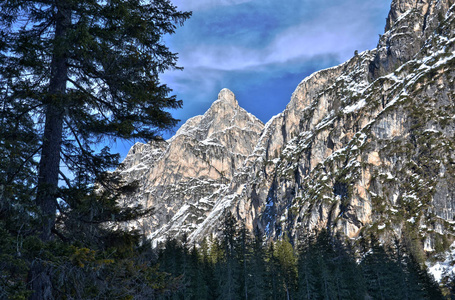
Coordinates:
(347, 274)
(242, 256)
(424, 285)
(274, 280)
(256, 279)
(198, 287)
(19, 145)
(307, 267)
(228, 269)
(379, 272)
(287, 260)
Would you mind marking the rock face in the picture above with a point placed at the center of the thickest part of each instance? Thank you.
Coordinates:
(181, 178)
(366, 146)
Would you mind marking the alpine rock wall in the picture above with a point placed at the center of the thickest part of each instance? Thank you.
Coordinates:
(366, 146)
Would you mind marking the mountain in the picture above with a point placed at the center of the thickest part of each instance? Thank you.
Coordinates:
(183, 178)
(364, 147)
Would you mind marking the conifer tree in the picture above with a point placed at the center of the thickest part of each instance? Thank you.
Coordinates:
(257, 268)
(287, 260)
(242, 253)
(212, 254)
(325, 275)
(227, 270)
(73, 73)
(88, 69)
(379, 272)
(274, 280)
(347, 274)
(307, 286)
(394, 273)
(424, 286)
(19, 145)
(198, 287)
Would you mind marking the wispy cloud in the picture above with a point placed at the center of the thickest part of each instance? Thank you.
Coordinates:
(197, 5)
(337, 30)
(261, 49)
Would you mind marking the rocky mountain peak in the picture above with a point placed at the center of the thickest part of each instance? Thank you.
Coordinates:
(228, 96)
(409, 24)
(223, 117)
(400, 7)
(183, 177)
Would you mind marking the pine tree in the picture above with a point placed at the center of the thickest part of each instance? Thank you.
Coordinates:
(394, 273)
(198, 287)
(425, 286)
(328, 270)
(90, 70)
(274, 285)
(211, 254)
(327, 284)
(307, 288)
(379, 272)
(287, 260)
(242, 256)
(257, 268)
(307, 268)
(347, 274)
(19, 145)
(227, 269)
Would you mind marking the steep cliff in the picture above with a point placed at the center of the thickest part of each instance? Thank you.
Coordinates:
(366, 146)
(181, 178)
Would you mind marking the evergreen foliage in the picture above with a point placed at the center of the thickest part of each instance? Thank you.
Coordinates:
(323, 267)
(73, 74)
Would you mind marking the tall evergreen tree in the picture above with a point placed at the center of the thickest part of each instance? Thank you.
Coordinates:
(379, 272)
(257, 268)
(394, 273)
(198, 287)
(307, 281)
(346, 272)
(274, 280)
(19, 146)
(424, 285)
(82, 71)
(324, 271)
(242, 253)
(227, 270)
(287, 260)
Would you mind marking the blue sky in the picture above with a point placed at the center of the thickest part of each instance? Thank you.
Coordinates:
(262, 49)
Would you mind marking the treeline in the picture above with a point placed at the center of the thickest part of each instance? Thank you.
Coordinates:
(92, 261)
(241, 266)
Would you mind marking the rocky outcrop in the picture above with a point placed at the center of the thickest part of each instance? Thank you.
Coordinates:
(409, 24)
(364, 147)
(182, 177)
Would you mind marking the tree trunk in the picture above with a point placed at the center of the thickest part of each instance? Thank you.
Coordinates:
(40, 281)
(53, 129)
(46, 197)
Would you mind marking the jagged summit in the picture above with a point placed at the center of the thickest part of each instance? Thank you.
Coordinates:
(228, 96)
(224, 116)
(184, 176)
